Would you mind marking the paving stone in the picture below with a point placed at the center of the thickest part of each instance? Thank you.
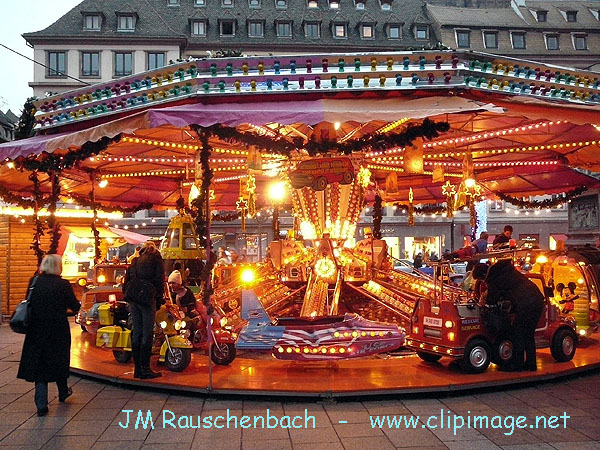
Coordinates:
(268, 444)
(69, 442)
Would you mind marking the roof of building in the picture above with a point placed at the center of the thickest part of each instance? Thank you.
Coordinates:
(475, 17)
(7, 119)
(555, 14)
(156, 19)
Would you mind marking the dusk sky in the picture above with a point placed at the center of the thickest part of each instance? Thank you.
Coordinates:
(16, 18)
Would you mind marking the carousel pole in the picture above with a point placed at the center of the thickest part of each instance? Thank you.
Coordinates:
(97, 254)
(52, 223)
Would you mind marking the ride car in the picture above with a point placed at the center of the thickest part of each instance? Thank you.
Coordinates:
(319, 172)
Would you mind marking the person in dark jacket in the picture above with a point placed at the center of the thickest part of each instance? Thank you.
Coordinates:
(506, 283)
(503, 239)
(181, 295)
(46, 352)
(418, 262)
(148, 269)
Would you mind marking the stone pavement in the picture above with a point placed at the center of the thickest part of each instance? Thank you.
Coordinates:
(91, 418)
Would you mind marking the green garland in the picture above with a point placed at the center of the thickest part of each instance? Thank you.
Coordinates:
(36, 245)
(87, 203)
(8, 197)
(50, 162)
(426, 209)
(377, 216)
(374, 142)
(53, 225)
(229, 216)
(542, 204)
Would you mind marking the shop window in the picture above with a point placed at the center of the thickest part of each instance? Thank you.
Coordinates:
(123, 64)
(463, 38)
(255, 29)
(57, 63)
(284, 29)
(366, 31)
(90, 64)
(518, 41)
(92, 22)
(155, 60)
(311, 30)
(199, 28)
(490, 39)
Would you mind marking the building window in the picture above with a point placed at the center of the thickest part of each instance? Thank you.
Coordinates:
(90, 64)
(284, 29)
(311, 30)
(313, 4)
(126, 23)
(394, 32)
(579, 42)
(282, 4)
(339, 30)
(173, 2)
(541, 16)
(360, 4)
(386, 6)
(571, 16)
(57, 62)
(254, 3)
(227, 3)
(227, 28)
(155, 60)
(255, 29)
(334, 4)
(463, 39)
(123, 64)
(199, 2)
(552, 42)
(366, 31)
(490, 39)
(199, 28)
(422, 31)
(497, 205)
(518, 41)
(92, 22)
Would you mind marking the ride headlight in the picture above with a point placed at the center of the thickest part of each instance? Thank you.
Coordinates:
(101, 279)
(163, 324)
(177, 325)
(183, 324)
(223, 322)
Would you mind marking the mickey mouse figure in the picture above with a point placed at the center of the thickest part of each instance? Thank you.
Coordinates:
(568, 296)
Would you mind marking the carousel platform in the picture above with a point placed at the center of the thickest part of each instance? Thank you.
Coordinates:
(383, 375)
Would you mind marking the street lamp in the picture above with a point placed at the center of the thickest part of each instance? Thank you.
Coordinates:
(276, 195)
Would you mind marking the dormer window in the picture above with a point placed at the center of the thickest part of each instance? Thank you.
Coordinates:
(254, 3)
(579, 42)
(173, 2)
(571, 16)
(552, 42)
(227, 27)
(198, 27)
(541, 16)
(199, 2)
(339, 30)
(421, 31)
(360, 4)
(463, 38)
(311, 30)
(284, 29)
(367, 31)
(92, 22)
(227, 3)
(255, 29)
(490, 39)
(393, 31)
(334, 4)
(126, 22)
(281, 4)
(518, 40)
(313, 4)
(386, 5)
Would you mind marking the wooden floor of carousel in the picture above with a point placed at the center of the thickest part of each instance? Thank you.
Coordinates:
(362, 376)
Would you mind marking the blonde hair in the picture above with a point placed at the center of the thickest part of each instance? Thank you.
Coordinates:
(51, 264)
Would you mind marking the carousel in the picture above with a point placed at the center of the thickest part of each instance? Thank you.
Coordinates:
(327, 312)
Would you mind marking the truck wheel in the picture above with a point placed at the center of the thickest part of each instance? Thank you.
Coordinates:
(429, 357)
(320, 184)
(122, 356)
(177, 359)
(564, 344)
(222, 354)
(348, 177)
(477, 356)
(503, 351)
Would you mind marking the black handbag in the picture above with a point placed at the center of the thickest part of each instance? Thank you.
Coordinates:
(140, 291)
(19, 321)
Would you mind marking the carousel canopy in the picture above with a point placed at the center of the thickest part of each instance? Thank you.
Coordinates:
(517, 127)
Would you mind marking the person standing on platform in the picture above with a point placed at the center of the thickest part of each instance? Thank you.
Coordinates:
(418, 262)
(504, 282)
(46, 352)
(181, 295)
(503, 239)
(144, 289)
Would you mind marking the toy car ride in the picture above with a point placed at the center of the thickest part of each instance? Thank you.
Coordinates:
(457, 329)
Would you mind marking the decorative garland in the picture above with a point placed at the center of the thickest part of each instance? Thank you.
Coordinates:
(425, 209)
(97, 251)
(377, 216)
(225, 216)
(541, 204)
(50, 162)
(87, 203)
(374, 142)
(52, 223)
(8, 197)
(36, 245)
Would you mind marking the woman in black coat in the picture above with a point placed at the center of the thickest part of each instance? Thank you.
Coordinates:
(47, 348)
